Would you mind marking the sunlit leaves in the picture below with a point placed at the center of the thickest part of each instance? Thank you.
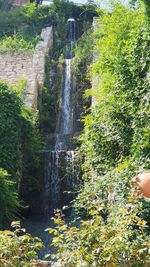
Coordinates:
(115, 220)
(17, 248)
(8, 198)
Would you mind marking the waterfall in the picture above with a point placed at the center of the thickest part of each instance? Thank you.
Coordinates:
(59, 162)
(66, 120)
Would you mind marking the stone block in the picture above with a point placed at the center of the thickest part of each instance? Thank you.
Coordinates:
(18, 65)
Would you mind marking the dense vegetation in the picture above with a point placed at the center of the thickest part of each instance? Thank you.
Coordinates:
(20, 27)
(20, 137)
(83, 56)
(111, 220)
(50, 98)
(20, 145)
(17, 249)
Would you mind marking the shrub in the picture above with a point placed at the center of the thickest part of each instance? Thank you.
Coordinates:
(20, 143)
(15, 43)
(10, 120)
(17, 248)
(8, 198)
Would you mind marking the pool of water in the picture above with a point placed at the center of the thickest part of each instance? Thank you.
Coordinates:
(37, 229)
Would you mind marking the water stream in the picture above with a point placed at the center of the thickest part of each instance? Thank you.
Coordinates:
(59, 171)
(59, 162)
(66, 116)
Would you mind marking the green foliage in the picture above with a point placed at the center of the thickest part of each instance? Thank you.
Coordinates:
(30, 136)
(1, 3)
(50, 96)
(8, 198)
(122, 88)
(17, 248)
(20, 141)
(29, 20)
(84, 15)
(83, 56)
(50, 93)
(111, 226)
(10, 109)
(15, 43)
(20, 144)
(121, 241)
(108, 229)
(146, 4)
(62, 11)
(29, 161)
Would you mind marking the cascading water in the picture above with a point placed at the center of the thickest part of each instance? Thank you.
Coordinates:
(66, 120)
(60, 170)
(59, 162)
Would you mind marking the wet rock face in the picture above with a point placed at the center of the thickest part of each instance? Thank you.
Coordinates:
(60, 178)
(59, 175)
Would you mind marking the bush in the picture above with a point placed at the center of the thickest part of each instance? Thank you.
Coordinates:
(28, 22)
(15, 43)
(17, 248)
(10, 120)
(20, 143)
(30, 159)
(8, 198)
(28, 19)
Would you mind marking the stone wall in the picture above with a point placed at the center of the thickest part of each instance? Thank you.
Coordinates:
(16, 3)
(7, 4)
(27, 66)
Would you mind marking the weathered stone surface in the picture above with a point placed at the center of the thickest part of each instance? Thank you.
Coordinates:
(30, 67)
(16, 3)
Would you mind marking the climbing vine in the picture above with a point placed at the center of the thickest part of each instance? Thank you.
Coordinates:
(20, 144)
